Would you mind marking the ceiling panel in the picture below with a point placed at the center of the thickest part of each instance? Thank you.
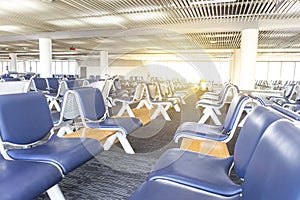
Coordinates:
(26, 17)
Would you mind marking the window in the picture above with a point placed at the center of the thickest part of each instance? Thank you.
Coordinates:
(261, 72)
(274, 71)
(297, 72)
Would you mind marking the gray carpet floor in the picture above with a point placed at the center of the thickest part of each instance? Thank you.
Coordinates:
(113, 174)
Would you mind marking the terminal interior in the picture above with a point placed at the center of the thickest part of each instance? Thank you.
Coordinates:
(142, 100)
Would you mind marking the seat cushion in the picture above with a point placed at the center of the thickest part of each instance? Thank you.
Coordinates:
(128, 124)
(196, 170)
(165, 190)
(204, 131)
(21, 180)
(68, 153)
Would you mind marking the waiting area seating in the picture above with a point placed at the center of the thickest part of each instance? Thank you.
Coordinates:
(213, 102)
(268, 157)
(129, 100)
(221, 133)
(27, 180)
(154, 98)
(94, 114)
(25, 126)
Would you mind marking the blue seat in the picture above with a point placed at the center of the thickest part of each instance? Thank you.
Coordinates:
(20, 180)
(94, 115)
(212, 104)
(127, 101)
(53, 84)
(287, 94)
(40, 85)
(7, 79)
(210, 173)
(166, 190)
(25, 121)
(271, 173)
(293, 99)
(291, 113)
(222, 133)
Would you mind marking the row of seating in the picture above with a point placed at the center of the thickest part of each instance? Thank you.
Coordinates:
(265, 157)
(289, 104)
(34, 161)
(273, 84)
(213, 102)
(159, 95)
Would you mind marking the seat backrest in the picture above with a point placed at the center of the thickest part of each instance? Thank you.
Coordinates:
(107, 88)
(224, 89)
(256, 123)
(226, 93)
(40, 84)
(153, 91)
(72, 84)
(69, 107)
(25, 118)
(288, 91)
(91, 103)
(297, 94)
(139, 91)
(273, 171)
(52, 83)
(234, 112)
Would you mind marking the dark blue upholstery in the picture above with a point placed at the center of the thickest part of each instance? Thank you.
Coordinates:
(164, 190)
(25, 118)
(68, 153)
(40, 84)
(196, 170)
(290, 113)
(53, 84)
(273, 172)
(218, 133)
(93, 107)
(25, 180)
(210, 173)
(10, 79)
(129, 124)
(92, 103)
(257, 122)
(70, 84)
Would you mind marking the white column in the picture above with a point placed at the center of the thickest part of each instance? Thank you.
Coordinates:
(249, 42)
(13, 62)
(235, 78)
(103, 63)
(45, 46)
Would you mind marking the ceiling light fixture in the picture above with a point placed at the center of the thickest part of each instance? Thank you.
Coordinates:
(201, 2)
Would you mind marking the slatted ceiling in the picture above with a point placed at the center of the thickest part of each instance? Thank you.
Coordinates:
(165, 12)
(220, 40)
(279, 39)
